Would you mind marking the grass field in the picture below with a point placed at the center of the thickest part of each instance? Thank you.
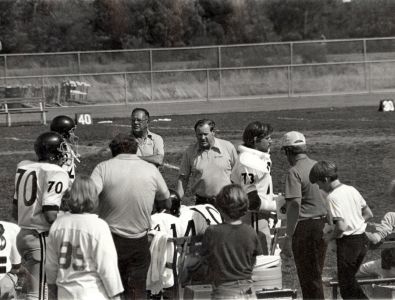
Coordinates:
(360, 140)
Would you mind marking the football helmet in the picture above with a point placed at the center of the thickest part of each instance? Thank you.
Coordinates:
(175, 203)
(48, 147)
(65, 126)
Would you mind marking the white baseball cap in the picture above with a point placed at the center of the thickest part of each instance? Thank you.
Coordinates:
(293, 138)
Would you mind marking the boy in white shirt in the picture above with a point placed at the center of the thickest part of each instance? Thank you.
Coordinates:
(349, 212)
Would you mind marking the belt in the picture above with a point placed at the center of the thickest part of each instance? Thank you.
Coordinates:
(313, 218)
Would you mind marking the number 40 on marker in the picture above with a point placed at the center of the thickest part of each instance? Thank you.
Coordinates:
(83, 119)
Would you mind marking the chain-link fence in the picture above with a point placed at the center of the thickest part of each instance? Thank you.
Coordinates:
(321, 67)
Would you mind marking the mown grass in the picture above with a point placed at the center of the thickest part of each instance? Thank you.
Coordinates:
(360, 140)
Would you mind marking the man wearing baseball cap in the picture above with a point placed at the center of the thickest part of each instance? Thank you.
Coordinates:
(306, 216)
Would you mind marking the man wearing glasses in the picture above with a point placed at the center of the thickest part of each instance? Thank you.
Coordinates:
(150, 145)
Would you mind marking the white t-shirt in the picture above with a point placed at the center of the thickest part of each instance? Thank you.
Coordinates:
(252, 172)
(9, 254)
(38, 186)
(82, 259)
(346, 203)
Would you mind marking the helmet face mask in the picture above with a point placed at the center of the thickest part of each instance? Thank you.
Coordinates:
(48, 148)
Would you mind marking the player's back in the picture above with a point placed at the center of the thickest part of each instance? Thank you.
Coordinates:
(197, 218)
(38, 184)
(79, 249)
(8, 252)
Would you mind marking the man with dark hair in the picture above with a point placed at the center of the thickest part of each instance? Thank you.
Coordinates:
(252, 172)
(208, 162)
(150, 145)
(129, 187)
(306, 214)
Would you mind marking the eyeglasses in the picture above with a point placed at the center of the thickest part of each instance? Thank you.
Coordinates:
(139, 120)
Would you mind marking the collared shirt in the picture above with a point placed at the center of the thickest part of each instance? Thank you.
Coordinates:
(209, 169)
(128, 187)
(152, 144)
(298, 185)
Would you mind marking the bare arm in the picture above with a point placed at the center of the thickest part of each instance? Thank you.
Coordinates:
(50, 215)
(156, 159)
(182, 184)
(367, 213)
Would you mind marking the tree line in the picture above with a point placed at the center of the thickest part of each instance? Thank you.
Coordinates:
(81, 25)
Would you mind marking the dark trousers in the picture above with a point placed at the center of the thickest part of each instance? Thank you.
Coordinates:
(309, 250)
(134, 259)
(351, 251)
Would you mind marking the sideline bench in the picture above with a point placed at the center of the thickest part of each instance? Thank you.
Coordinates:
(26, 107)
(334, 283)
(388, 242)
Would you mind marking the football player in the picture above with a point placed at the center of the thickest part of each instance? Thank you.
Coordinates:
(252, 172)
(10, 260)
(182, 220)
(39, 187)
(66, 126)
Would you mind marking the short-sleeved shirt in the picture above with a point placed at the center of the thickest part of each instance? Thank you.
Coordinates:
(346, 203)
(152, 144)
(39, 187)
(128, 187)
(230, 251)
(298, 185)
(8, 250)
(252, 172)
(209, 169)
(82, 259)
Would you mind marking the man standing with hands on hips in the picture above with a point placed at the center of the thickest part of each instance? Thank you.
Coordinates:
(306, 217)
(208, 162)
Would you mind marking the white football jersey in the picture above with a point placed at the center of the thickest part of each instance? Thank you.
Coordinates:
(197, 218)
(82, 259)
(9, 254)
(69, 165)
(193, 220)
(167, 223)
(38, 186)
(252, 172)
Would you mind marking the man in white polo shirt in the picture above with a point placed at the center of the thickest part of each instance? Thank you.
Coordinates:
(129, 187)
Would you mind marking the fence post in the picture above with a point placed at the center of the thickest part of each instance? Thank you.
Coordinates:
(79, 62)
(151, 75)
(365, 66)
(219, 72)
(5, 69)
(208, 84)
(126, 88)
(290, 70)
(43, 89)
